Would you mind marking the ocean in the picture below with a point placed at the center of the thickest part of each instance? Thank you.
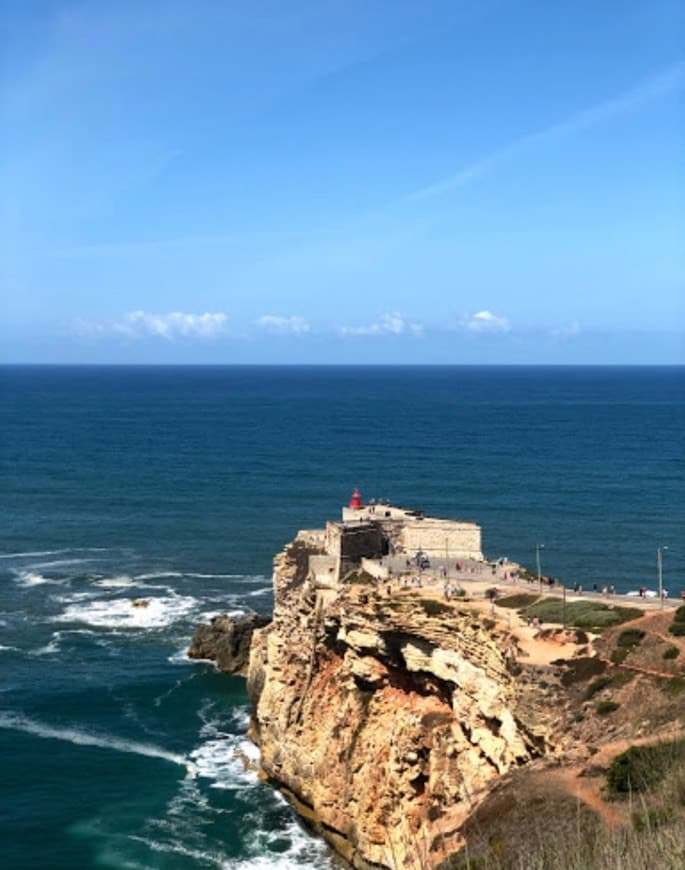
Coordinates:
(178, 485)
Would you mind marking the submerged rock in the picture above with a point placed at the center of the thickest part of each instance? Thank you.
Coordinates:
(226, 641)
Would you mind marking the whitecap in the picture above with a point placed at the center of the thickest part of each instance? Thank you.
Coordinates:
(121, 581)
(31, 578)
(211, 576)
(158, 575)
(78, 737)
(58, 563)
(4, 648)
(256, 592)
(31, 553)
(49, 648)
(121, 612)
(73, 597)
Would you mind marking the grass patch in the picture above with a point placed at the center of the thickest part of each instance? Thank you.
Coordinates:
(589, 615)
(604, 708)
(517, 602)
(671, 653)
(640, 768)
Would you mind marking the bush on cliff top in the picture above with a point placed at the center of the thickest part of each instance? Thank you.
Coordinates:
(516, 602)
(640, 768)
(630, 637)
(590, 615)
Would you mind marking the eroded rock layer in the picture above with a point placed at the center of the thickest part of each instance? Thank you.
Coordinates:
(385, 715)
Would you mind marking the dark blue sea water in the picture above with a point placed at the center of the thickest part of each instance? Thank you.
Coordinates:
(179, 484)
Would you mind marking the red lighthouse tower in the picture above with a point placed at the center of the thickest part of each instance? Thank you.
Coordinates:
(356, 500)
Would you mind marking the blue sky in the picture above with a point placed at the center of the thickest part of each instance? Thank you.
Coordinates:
(334, 182)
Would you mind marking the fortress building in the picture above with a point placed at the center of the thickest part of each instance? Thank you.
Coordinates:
(368, 533)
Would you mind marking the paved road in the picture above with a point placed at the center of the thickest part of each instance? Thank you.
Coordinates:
(482, 575)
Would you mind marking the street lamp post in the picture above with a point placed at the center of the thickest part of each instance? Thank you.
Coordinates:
(660, 572)
(539, 547)
(563, 606)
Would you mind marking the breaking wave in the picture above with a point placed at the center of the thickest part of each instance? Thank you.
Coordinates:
(124, 613)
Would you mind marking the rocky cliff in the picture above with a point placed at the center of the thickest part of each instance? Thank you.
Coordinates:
(387, 715)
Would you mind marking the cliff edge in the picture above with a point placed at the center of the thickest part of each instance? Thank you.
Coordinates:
(386, 716)
(415, 725)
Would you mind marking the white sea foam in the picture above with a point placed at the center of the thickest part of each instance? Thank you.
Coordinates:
(210, 576)
(74, 597)
(121, 613)
(4, 648)
(157, 575)
(49, 648)
(284, 849)
(216, 724)
(181, 657)
(256, 592)
(176, 848)
(32, 578)
(119, 582)
(18, 722)
(230, 762)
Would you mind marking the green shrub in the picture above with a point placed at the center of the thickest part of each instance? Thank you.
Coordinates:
(679, 615)
(671, 653)
(618, 656)
(677, 628)
(596, 686)
(604, 708)
(642, 767)
(517, 602)
(674, 686)
(630, 637)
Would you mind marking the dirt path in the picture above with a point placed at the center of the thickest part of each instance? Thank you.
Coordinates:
(589, 792)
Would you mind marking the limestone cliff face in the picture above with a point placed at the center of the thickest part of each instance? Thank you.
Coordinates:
(386, 718)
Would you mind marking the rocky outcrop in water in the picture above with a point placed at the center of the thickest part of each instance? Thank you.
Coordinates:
(226, 641)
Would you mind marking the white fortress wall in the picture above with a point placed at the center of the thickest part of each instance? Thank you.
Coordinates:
(442, 539)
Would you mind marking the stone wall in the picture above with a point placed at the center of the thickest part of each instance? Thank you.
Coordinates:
(442, 539)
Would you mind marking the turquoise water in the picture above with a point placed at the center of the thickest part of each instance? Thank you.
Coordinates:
(179, 484)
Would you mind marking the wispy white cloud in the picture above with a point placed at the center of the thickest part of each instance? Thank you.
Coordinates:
(485, 322)
(391, 323)
(293, 325)
(658, 85)
(141, 324)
